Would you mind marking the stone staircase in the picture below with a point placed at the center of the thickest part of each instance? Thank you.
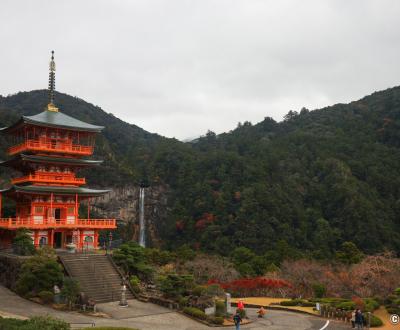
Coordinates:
(97, 276)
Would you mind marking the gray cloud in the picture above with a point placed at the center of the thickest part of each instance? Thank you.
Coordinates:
(179, 68)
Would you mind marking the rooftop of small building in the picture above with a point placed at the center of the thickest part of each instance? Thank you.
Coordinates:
(54, 119)
(49, 159)
(58, 190)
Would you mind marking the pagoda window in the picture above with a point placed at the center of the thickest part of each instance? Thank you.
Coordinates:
(39, 210)
(37, 219)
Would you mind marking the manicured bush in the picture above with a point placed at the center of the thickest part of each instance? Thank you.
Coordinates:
(35, 323)
(319, 290)
(185, 253)
(216, 320)
(390, 299)
(38, 273)
(392, 302)
(289, 303)
(298, 302)
(375, 321)
(346, 305)
(183, 301)
(135, 283)
(22, 243)
(46, 296)
(219, 308)
(214, 290)
(70, 290)
(199, 290)
(158, 257)
(393, 310)
(371, 304)
(132, 258)
(195, 312)
(174, 285)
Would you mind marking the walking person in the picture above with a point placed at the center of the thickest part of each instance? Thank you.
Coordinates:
(237, 319)
(359, 319)
(261, 312)
(353, 319)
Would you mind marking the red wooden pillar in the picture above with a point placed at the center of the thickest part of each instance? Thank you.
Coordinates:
(36, 238)
(1, 205)
(51, 207)
(76, 208)
(51, 238)
(88, 208)
(81, 238)
(96, 239)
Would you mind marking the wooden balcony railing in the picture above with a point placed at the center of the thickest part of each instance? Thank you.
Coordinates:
(50, 146)
(52, 178)
(15, 223)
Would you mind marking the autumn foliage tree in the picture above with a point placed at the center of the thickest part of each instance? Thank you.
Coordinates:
(258, 286)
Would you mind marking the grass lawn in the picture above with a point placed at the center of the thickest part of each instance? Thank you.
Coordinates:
(266, 301)
(109, 328)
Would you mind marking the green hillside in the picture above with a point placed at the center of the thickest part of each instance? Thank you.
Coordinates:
(120, 143)
(301, 186)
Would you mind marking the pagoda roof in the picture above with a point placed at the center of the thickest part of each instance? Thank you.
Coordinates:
(53, 160)
(54, 119)
(47, 190)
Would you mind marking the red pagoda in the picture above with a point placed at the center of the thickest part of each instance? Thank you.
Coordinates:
(48, 149)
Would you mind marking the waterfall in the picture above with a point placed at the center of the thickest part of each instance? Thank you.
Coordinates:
(142, 223)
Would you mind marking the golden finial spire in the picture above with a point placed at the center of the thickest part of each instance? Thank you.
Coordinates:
(52, 84)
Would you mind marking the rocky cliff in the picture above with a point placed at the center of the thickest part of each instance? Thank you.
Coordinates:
(122, 203)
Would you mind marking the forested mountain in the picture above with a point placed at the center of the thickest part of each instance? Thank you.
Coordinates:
(299, 187)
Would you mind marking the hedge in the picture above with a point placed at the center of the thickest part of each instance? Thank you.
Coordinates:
(35, 323)
(216, 320)
(195, 312)
(298, 302)
(375, 321)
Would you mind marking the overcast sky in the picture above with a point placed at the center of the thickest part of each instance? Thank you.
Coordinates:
(180, 68)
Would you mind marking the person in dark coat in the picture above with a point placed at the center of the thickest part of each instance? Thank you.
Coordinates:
(359, 319)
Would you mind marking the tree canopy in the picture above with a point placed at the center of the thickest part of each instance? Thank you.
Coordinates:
(300, 187)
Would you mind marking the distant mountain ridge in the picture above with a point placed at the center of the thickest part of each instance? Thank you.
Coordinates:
(302, 186)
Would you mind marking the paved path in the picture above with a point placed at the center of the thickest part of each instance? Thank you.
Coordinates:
(152, 317)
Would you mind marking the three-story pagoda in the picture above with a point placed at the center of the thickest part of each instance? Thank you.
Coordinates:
(48, 149)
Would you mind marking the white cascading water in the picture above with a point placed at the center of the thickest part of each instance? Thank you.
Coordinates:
(142, 223)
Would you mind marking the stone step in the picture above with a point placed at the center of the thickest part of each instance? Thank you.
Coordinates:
(96, 275)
